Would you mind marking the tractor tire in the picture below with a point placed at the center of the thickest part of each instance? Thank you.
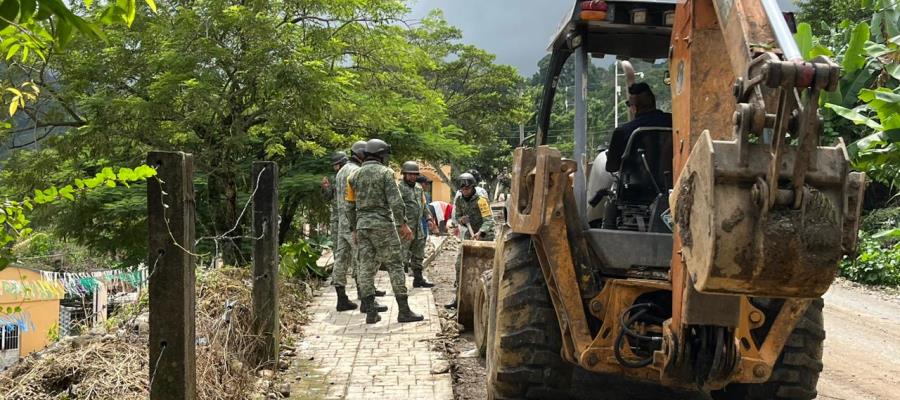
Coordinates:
(796, 373)
(481, 312)
(525, 361)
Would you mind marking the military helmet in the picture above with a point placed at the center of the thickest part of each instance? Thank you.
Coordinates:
(466, 180)
(377, 147)
(338, 157)
(475, 175)
(359, 149)
(410, 167)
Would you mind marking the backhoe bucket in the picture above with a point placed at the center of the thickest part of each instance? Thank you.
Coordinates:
(477, 257)
(734, 243)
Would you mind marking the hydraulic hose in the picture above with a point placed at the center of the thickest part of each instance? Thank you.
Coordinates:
(643, 309)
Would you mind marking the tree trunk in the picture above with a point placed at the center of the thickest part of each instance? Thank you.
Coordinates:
(233, 254)
(288, 212)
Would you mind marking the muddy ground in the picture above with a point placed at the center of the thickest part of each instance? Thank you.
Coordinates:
(862, 349)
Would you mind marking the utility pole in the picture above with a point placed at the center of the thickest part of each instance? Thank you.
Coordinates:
(616, 98)
(619, 90)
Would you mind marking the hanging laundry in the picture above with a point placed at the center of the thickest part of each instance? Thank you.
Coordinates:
(85, 284)
(21, 320)
(32, 290)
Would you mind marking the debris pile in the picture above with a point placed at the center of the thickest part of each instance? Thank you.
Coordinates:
(111, 362)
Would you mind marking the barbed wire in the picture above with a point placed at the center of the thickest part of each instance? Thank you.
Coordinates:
(165, 206)
(225, 236)
(162, 350)
(237, 222)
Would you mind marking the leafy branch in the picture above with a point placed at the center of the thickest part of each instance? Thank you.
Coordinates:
(14, 221)
(865, 108)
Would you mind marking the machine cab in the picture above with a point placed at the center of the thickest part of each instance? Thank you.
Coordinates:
(627, 209)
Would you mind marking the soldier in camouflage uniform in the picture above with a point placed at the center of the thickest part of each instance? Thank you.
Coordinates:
(338, 160)
(376, 215)
(471, 210)
(343, 249)
(414, 201)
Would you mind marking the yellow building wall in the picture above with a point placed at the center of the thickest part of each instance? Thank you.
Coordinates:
(440, 191)
(43, 312)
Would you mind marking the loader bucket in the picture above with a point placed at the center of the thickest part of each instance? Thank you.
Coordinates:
(477, 257)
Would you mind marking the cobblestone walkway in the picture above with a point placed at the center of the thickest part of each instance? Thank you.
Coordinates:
(341, 357)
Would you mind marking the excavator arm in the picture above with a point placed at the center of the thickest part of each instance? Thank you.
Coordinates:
(761, 209)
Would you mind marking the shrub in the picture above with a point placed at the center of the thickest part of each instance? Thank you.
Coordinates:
(878, 262)
(298, 260)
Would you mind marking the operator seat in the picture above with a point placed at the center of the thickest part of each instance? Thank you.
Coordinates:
(633, 239)
(646, 170)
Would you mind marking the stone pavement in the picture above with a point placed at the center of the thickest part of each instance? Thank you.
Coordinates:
(341, 357)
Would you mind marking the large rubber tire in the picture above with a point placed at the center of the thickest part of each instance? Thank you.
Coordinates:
(525, 358)
(796, 372)
(481, 311)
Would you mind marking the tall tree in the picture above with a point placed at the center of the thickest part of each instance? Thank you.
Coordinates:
(485, 101)
(230, 82)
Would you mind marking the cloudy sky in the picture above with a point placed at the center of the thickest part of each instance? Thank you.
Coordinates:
(517, 31)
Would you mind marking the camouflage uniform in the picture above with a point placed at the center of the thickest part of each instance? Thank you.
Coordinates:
(343, 248)
(375, 208)
(328, 195)
(414, 202)
(481, 219)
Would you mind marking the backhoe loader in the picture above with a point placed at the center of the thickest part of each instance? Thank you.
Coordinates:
(718, 236)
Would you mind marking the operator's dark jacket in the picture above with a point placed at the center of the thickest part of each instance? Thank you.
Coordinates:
(654, 118)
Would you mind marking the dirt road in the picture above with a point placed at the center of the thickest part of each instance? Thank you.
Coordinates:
(861, 357)
(862, 346)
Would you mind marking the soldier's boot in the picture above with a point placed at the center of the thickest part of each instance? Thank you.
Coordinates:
(380, 293)
(404, 314)
(343, 303)
(378, 307)
(451, 304)
(419, 280)
(371, 312)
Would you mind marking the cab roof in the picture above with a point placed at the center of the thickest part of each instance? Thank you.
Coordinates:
(616, 36)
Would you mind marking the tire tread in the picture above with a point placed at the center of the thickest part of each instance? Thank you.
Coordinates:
(796, 372)
(526, 361)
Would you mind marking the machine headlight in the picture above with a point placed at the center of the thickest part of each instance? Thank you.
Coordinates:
(669, 17)
(639, 16)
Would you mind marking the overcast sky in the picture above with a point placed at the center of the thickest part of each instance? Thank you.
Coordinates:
(517, 31)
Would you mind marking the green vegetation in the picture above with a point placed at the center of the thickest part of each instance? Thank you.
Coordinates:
(90, 88)
(233, 82)
(600, 100)
(298, 260)
(43, 250)
(865, 113)
(14, 215)
(865, 109)
(878, 262)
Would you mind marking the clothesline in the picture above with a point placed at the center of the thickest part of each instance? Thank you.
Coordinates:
(85, 283)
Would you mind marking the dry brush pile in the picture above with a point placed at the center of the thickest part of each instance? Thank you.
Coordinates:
(114, 365)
